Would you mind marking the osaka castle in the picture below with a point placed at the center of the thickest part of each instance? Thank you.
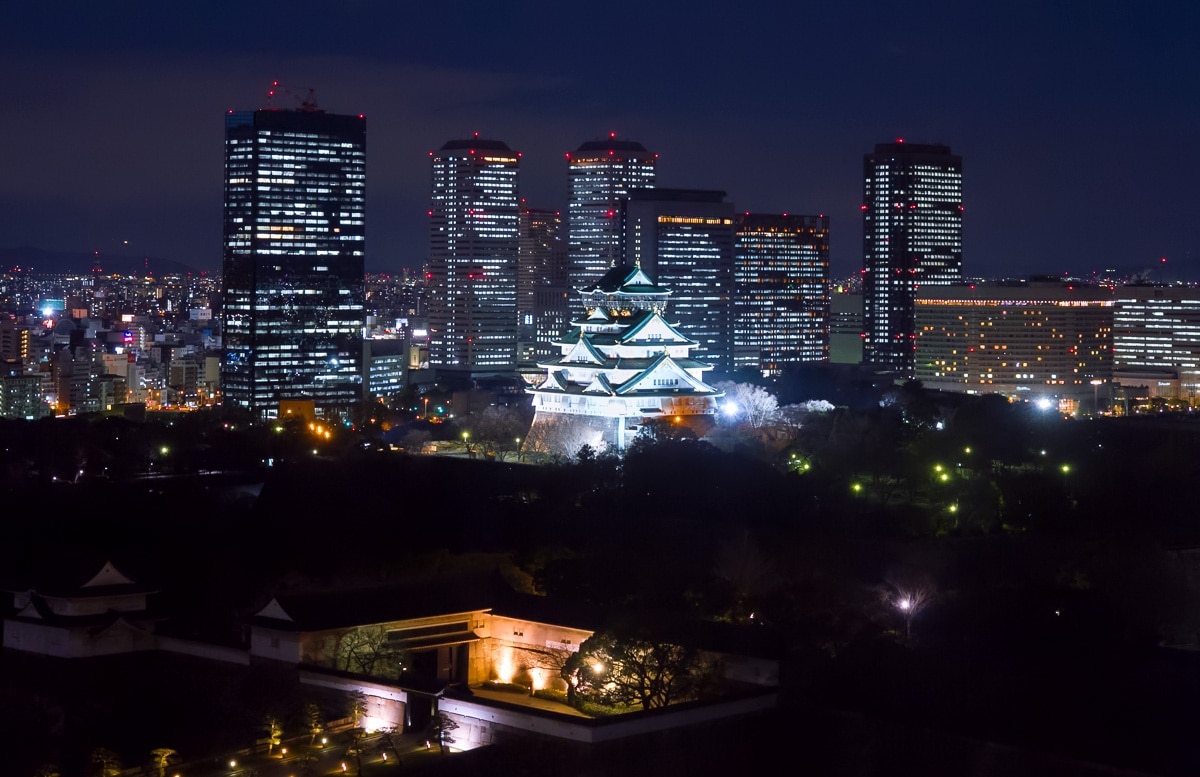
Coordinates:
(622, 364)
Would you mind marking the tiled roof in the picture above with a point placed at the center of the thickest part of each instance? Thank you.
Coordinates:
(321, 611)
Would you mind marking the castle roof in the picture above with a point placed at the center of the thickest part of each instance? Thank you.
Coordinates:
(626, 279)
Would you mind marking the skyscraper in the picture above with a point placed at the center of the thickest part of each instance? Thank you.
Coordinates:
(473, 248)
(294, 247)
(683, 239)
(599, 174)
(542, 286)
(781, 297)
(912, 236)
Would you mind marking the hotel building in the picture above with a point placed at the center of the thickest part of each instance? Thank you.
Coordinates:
(1034, 340)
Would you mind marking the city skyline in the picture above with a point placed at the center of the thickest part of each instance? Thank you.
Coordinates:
(1068, 118)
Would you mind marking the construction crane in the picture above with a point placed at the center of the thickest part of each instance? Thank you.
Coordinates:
(307, 97)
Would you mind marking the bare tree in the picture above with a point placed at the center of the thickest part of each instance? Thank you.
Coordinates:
(742, 563)
(560, 436)
(749, 403)
(367, 651)
(498, 429)
(908, 597)
(387, 742)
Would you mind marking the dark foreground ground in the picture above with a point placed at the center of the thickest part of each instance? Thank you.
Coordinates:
(54, 711)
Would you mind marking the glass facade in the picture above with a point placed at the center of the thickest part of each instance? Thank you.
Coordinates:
(473, 248)
(912, 237)
(781, 297)
(599, 174)
(683, 239)
(294, 251)
(542, 289)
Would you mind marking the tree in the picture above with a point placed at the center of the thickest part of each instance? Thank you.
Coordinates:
(106, 762)
(314, 719)
(47, 770)
(160, 759)
(497, 429)
(749, 573)
(368, 651)
(274, 731)
(354, 749)
(356, 705)
(621, 671)
(387, 742)
(749, 403)
(908, 597)
(440, 726)
(560, 436)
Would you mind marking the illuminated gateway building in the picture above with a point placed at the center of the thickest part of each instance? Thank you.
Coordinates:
(622, 364)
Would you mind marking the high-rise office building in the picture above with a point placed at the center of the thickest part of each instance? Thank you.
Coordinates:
(781, 291)
(473, 247)
(542, 288)
(912, 237)
(599, 174)
(683, 239)
(294, 248)
(1156, 340)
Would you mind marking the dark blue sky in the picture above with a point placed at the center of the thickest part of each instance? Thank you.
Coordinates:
(1078, 122)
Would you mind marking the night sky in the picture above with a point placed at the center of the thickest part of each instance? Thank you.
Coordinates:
(1078, 122)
